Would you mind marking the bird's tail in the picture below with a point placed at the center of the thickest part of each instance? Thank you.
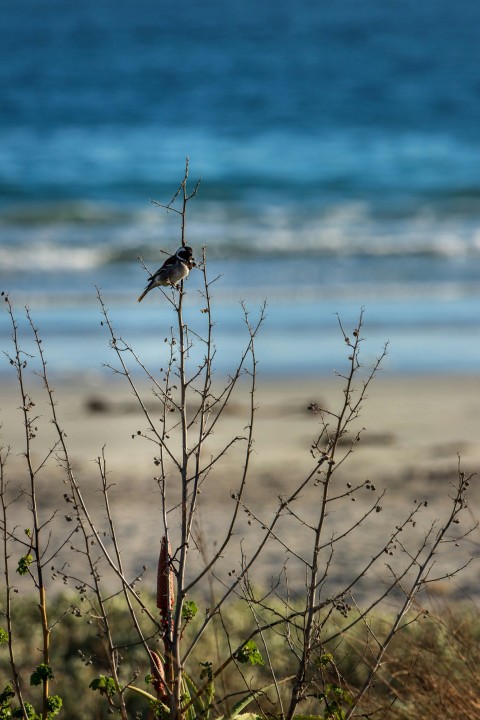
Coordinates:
(143, 294)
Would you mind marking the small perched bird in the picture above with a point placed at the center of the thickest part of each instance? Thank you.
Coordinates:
(174, 269)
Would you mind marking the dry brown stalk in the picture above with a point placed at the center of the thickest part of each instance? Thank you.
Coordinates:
(158, 673)
(165, 590)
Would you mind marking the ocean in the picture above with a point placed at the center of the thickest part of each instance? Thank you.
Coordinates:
(338, 151)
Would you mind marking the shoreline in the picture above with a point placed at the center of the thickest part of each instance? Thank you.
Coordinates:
(416, 426)
(409, 418)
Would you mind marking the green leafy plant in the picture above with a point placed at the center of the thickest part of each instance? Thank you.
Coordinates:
(24, 564)
(189, 610)
(41, 673)
(104, 685)
(249, 653)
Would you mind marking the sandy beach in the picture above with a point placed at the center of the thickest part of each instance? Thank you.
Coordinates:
(415, 428)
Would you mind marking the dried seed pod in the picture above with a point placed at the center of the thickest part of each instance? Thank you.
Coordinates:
(158, 674)
(165, 592)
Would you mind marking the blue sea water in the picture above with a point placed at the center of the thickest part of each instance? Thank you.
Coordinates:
(338, 147)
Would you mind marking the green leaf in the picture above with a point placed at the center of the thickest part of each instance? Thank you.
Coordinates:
(325, 660)
(159, 709)
(23, 564)
(189, 691)
(7, 693)
(105, 685)
(249, 653)
(41, 673)
(241, 704)
(209, 699)
(189, 610)
(31, 714)
(207, 673)
(3, 636)
(54, 705)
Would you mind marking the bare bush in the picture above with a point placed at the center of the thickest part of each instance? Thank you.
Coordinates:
(302, 625)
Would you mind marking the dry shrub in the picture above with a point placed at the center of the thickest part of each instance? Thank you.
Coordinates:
(433, 669)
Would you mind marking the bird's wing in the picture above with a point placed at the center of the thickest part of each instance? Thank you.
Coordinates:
(168, 262)
(166, 265)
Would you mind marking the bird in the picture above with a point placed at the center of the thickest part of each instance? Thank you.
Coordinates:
(174, 269)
